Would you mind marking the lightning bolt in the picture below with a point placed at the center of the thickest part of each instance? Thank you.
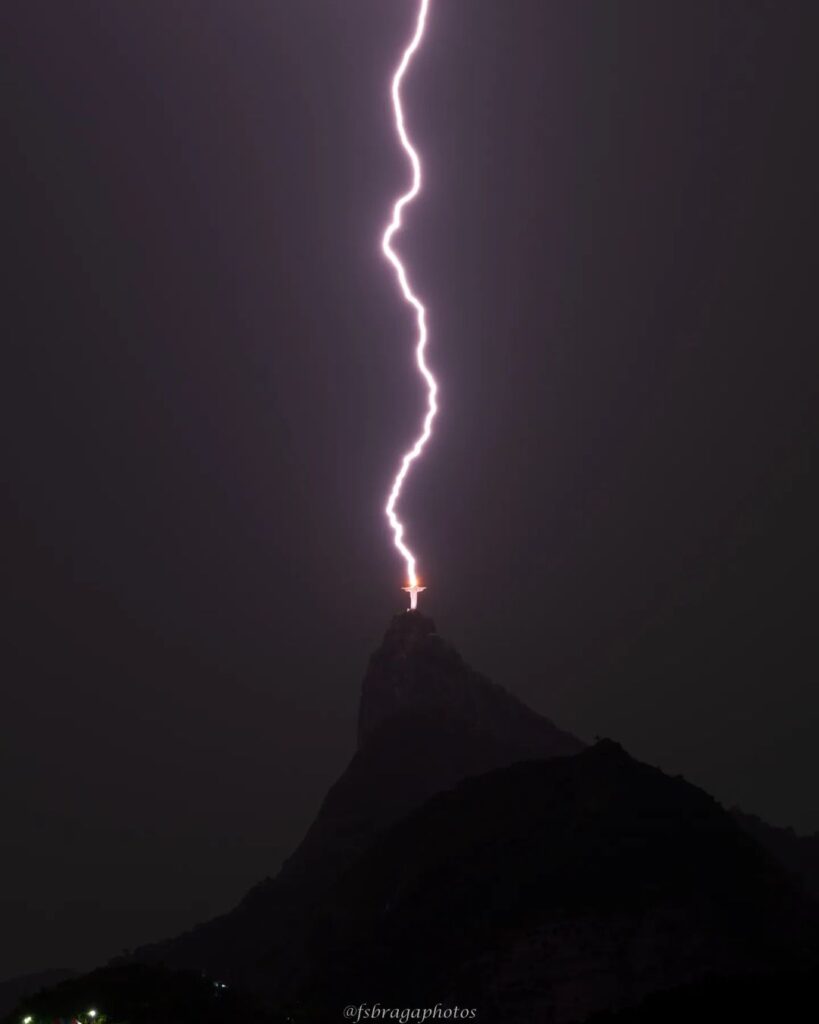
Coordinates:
(410, 297)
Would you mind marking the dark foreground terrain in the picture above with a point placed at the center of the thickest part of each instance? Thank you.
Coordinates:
(473, 853)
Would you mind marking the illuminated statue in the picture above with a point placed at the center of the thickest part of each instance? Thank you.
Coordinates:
(413, 592)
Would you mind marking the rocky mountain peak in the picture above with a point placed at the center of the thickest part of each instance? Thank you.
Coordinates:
(406, 630)
(415, 671)
(427, 721)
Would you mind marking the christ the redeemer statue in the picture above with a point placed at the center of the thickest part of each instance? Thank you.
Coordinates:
(413, 592)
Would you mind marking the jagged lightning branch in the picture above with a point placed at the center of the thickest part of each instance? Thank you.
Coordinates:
(410, 297)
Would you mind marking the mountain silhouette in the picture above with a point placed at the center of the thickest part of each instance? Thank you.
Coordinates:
(426, 721)
(799, 854)
(548, 890)
(473, 853)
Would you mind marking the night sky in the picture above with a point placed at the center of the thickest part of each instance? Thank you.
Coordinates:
(208, 379)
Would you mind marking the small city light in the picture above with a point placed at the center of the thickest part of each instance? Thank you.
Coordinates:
(27, 1020)
(92, 1013)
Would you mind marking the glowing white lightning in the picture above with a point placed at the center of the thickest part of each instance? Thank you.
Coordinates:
(413, 300)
